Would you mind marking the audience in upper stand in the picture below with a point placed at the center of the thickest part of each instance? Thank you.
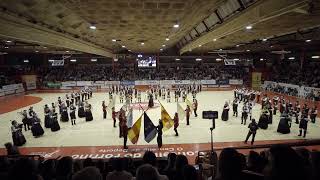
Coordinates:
(280, 162)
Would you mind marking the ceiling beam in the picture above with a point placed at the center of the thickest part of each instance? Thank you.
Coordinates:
(261, 11)
(22, 30)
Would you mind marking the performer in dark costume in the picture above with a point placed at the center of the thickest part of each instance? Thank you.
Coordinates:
(168, 96)
(159, 137)
(114, 114)
(263, 120)
(64, 114)
(195, 107)
(225, 112)
(122, 116)
(284, 124)
(188, 110)
(110, 96)
(87, 111)
(73, 114)
(47, 119)
(55, 124)
(125, 135)
(81, 113)
(303, 126)
(68, 101)
(36, 128)
(17, 136)
(26, 120)
(59, 104)
(176, 123)
(235, 107)
(104, 109)
(313, 114)
(253, 127)
(150, 104)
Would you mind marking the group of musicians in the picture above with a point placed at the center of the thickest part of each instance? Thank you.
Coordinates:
(67, 108)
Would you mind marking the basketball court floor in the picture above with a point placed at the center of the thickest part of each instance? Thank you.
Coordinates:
(99, 139)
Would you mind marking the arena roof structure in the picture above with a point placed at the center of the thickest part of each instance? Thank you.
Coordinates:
(107, 28)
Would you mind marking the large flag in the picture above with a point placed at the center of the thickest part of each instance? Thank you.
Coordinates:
(134, 131)
(181, 112)
(130, 118)
(150, 131)
(166, 119)
(111, 105)
(190, 105)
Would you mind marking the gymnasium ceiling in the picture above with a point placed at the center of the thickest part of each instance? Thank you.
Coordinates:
(63, 25)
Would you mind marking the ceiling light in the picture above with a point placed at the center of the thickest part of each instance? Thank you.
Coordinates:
(129, 50)
(198, 59)
(93, 27)
(218, 59)
(163, 45)
(200, 45)
(291, 58)
(177, 59)
(123, 46)
(261, 59)
(161, 49)
(6, 47)
(264, 39)
(167, 39)
(44, 47)
(36, 51)
(114, 40)
(237, 45)
(67, 51)
(236, 59)
(315, 57)
(8, 41)
(220, 49)
(249, 27)
(214, 39)
(94, 60)
(26, 61)
(248, 50)
(271, 46)
(73, 60)
(115, 59)
(142, 43)
(51, 60)
(308, 40)
(176, 26)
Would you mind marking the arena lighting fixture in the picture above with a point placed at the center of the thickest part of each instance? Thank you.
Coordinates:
(44, 47)
(176, 25)
(6, 47)
(93, 27)
(142, 43)
(264, 39)
(139, 55)
(261, 59)
(36, 51)
(26, 61)
(177, 59)
(291, 58)
(200, 45)
(198, 59)
(249, 27)
(214, 39)
(167, 39)
(218, 59)
(73, 60)
(94, 60)
(115, 59)
(123, 46)
(161, 49)
(129, 50)
(220, 49)
(236, 59)
(237, 45)
(114, 40)
(67, 51)
(163, 45)
(248, 50)
(315, 57)
(308, 40)
(8, 41)
(51, 60)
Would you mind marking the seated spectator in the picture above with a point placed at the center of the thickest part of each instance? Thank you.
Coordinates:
(255, 162)
(189, 173)
(230, 165)
(169, 170)
(24, 169)
(88, 162)
(11, 149)
(48, 169)
(118, 173)
(181, 161)
(64, 168)
(150, 158)
(147, 172)
(88, 173)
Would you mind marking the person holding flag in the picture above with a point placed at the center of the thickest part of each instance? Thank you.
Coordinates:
(188, 110)
(122, 120)
(159, 137)
(150, 130)
(124, 130)
(104, 109)
(176, 123)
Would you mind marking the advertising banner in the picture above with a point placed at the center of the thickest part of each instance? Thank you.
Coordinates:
(98, 83)
(127, 83)
(69, 83)
(223, 82)
(209, 81)
(107, 83)
(84, 83)
(256, 80)
(235, 81)
(53, 84)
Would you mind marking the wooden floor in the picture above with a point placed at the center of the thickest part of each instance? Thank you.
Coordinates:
(98, 139)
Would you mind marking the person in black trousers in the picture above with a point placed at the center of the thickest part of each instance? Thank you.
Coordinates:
(303, 125)
(73, 114)
(125, 135)
(159, 137)
(253, 127)
(104, 109)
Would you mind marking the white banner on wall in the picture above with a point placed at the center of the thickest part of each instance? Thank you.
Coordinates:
(235, 81)
(69, 83)
(84, 83)
(107, 83)
(210, 81)
(147, 82)
(31, 85)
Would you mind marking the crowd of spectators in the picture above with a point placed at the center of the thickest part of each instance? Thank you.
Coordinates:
(280, 162)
